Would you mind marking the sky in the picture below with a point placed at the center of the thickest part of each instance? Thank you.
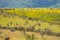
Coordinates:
(29, 3)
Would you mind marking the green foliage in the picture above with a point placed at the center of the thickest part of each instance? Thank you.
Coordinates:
(28, 37)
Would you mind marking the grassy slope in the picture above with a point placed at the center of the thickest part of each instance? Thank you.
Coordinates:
(46, 15)
(41, 14)
(18, 35)
(44, 19)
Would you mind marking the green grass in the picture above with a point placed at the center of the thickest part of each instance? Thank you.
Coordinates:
(47, 20)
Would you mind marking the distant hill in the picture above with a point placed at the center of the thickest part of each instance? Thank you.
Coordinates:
(27, 3)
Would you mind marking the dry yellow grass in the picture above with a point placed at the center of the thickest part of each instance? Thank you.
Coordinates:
(18, 35)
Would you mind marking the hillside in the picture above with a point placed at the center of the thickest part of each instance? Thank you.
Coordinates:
(28, 3)
(37, 21)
